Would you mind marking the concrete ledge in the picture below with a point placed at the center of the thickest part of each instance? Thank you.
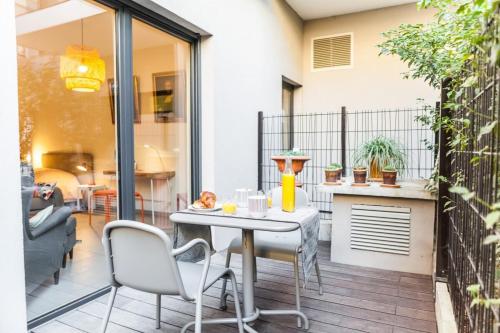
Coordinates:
(444, 310)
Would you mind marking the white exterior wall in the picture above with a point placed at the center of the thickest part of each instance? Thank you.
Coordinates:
(373, 82)
(253, 44)
(12, 299)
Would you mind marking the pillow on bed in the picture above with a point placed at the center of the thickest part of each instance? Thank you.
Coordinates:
(67, 182)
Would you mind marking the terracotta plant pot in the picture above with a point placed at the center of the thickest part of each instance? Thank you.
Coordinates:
(359, 176)
(389, 177)
(333, 176)
(297, 162)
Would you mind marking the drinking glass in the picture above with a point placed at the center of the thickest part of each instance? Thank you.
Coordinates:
(269, 199)
(257, 205)
(229, 205)
(242, 197)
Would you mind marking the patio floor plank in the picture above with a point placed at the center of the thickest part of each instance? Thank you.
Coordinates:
(356, 299)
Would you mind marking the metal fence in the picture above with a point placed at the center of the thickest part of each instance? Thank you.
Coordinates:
(469, 261)
(333, 137)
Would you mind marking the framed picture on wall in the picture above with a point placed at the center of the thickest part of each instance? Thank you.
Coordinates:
(137, 99)
(167, 97)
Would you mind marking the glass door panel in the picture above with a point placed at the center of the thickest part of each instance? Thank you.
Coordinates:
(161, 72)
(66, 66)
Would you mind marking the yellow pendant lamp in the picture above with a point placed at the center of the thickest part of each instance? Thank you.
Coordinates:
(82, 68)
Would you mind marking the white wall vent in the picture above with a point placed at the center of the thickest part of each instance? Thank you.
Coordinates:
(380, 229)
(332, 52)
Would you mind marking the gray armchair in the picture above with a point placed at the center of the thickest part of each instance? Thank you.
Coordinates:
(45, 246)
(57, 200)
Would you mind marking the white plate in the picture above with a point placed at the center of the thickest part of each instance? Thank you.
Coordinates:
(216, 207)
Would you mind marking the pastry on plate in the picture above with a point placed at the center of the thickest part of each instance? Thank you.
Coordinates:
(207, 200)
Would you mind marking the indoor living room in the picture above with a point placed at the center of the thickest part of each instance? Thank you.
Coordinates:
(68, 135)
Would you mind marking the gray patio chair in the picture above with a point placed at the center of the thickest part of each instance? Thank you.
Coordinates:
(141, 257)
(282, 246)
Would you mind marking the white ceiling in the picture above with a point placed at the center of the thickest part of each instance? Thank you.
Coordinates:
(43, 33)
(314, 9)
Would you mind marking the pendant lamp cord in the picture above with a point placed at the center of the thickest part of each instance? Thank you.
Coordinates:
(81, 22)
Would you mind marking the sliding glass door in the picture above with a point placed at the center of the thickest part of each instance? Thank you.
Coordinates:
(66, 67)
(109, 128)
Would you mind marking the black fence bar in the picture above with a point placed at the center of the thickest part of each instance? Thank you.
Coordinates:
(476, 167)
(343, 139)
(260, 122)
(444, 171)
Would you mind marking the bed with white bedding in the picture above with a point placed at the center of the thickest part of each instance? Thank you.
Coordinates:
(67, 170)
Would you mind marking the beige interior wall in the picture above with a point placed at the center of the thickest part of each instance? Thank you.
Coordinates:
(374, 82)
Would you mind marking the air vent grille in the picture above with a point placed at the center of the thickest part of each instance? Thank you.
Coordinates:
(380, 229)
(332, 52)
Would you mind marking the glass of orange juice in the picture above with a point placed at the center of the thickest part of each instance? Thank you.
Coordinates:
(229, 206)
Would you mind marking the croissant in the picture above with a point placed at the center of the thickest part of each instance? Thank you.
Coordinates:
(208, 199)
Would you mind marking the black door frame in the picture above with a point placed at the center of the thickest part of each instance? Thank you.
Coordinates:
(290, 85)
(126, 10)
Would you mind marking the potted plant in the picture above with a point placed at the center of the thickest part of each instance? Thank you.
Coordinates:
(389, 174)
(298, 160)
(360, 173)
(333, 173)
(378, 152)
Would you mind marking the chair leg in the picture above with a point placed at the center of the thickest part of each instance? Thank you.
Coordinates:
(142, 209)
(198, 314)
(56, 276)
(158, 310)
(318, 275)
(254, 268)
(222, 301)
(297, 286)
(64, 260)
(236, 297)
(108, 310)
(71, 254)
(107, 209)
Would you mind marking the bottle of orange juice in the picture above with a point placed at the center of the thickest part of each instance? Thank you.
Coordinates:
(288, 190)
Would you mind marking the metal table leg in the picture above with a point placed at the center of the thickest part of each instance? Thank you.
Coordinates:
(250, 312)
(248, 268)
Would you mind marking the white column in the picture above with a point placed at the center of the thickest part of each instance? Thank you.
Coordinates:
(12, 290)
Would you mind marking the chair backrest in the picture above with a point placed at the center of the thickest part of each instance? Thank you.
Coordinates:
(140, 256)
(293, 237)
(301, 197)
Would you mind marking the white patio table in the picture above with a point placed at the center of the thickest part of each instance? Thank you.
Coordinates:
(275, 221)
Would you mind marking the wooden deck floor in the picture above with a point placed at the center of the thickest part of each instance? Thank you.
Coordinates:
(355, 299)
